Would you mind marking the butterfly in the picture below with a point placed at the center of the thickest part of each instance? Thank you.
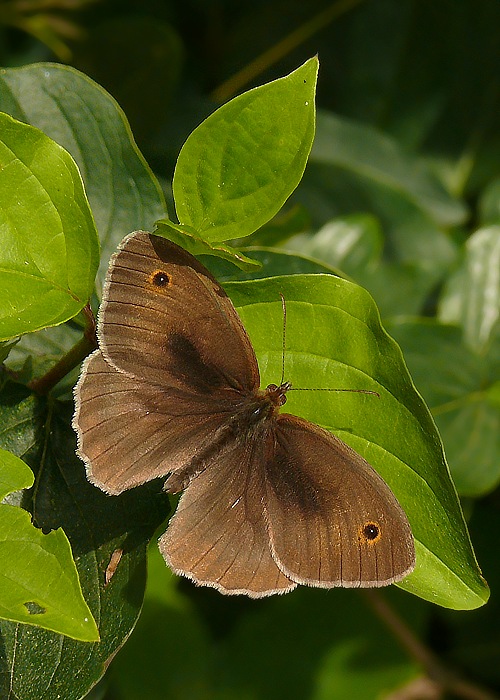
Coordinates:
(269, 499)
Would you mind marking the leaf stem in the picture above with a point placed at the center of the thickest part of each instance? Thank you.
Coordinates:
(455, 404)
(447, 680)
(71, 359)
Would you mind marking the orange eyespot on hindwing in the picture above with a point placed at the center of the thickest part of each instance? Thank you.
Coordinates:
(370, 533)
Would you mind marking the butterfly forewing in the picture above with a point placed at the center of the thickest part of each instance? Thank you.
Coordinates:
(174, 361)
(332, 520)
(165, 319)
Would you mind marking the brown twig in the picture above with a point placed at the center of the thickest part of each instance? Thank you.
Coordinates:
(445, 678)
(282, 48)
(71, 359)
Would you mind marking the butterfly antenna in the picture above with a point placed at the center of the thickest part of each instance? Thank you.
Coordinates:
(283, 304)
(283, 347)
(351, 391)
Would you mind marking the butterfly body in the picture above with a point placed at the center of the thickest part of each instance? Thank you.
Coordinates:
(270, 500)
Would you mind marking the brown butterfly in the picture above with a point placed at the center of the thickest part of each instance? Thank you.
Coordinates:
(270, 500)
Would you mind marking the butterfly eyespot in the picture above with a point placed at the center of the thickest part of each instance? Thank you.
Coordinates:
(159, 278)
(370, 532)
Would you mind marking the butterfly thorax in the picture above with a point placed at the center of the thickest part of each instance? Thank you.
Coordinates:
(258, 407)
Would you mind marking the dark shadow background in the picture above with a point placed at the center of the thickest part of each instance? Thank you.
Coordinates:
(424, 73)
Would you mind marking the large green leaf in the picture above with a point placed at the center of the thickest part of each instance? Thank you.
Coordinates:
(83, 118)
(49, 251)
(335, 340)
(237, 169)
(39, 581)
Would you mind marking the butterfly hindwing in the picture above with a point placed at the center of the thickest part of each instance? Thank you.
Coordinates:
(218, 535)
(130, 431)
(332, 520)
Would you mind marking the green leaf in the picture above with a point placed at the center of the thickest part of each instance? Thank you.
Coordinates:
(338, 342)
(197, 246)
(6, 347)
(237, 169)
(460, 388)
(352, 243)
(37, 664)
(489, 203)
(39, 581)
(14, 474)
(46, 278)
(83, 118)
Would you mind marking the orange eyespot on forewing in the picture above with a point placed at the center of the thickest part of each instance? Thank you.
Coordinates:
(159, 280)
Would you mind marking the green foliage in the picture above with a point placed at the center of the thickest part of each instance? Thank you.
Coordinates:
(312, 643)
(401, 195)
(96, 526)
(462, 389)
(82, 118)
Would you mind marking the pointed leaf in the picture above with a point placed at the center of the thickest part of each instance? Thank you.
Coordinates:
(197, 246)
(14, 474)
(338, 342)
(237, 169)
(481, 289)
